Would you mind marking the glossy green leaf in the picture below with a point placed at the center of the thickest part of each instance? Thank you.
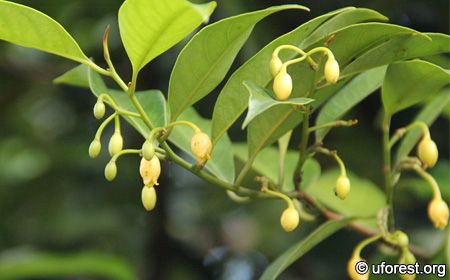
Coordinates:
(349, 96)
(400, 48)
(221, 163)
(301, 248)
(267, 165)
(356, 203)
(232, 100)
(410, 82)
(428, 114)
(262, 100)
(27, 27)
(152, 101)
(269, 127)
(206, 59)
(27, 264)
(77, 77)
(150, 27)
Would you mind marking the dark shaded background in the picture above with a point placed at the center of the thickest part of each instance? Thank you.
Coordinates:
(54, 199)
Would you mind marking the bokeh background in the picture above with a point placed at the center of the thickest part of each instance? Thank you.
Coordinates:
(59, 218)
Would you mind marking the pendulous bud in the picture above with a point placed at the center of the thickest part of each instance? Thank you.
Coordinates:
(331, 70)
(110, 171)
(150, 171)
(148, 197)
(95, 148)
(438, 212)
(342, 187)
(290, 219)
(427, 152)
(282, 85)
(148, 150)
(407, 258)
(99, 109)
(115, 143)
(351, 269)
(275, 65)
(201, 147)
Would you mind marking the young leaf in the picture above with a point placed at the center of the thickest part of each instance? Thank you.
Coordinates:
(356, 203)
(348, 96)
(77, 77)
(399, 48)
(301, 248)
(232, 100)
(262, 100)
(152, 101)
(410, 82)
(221, 163)
(266, 165)
(27, 27)
(428, 114)
(206, 59)
(150, 27)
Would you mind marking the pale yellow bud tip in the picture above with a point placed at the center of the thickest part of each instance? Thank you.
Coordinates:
(351, 269)
(331, 70)
(290, 219)
(282, 85)
(428, 152)
(148, 196)
(275, 65)
(438, 213)
(150, 171)
(115, 144)
(342, 187)
(201, 147)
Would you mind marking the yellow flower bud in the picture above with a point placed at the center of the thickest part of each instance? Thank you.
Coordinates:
(150, 171)
(331, 70)
(351, 269)
(115, 143)
(342, 186)
(95, 148)
(282, 85)
(148, 197)
(290, 219)
(275, 65)
(148, 150)
(427, 152)
(110, 171)
(201, 147)
(407, 258)
(99, 109)
(438, 212)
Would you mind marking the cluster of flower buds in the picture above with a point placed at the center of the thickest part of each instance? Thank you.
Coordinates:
(282, 83)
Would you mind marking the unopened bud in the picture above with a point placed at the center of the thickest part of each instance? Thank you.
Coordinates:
(99, 109)
(331, 70)
(342, 187)
(351, 269)
(289, 219)
(275, 65)
(428, 152)
(150, 171)
(148, 150)
(115, 143)
(282, 85)
(148, 197)
(95, 148)
(111, 171)
(201, 147)
(438, 213)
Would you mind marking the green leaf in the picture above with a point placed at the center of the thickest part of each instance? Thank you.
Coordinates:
(428, 114)
(301, 248)
(399, 48)
(152, 101)
(150, 27)
(232, 100)
(348, 96)
(206, 59)
(356, 203)
(266, 165)
(77, 77)
(221, 163)
(265, 129)
(410, 82)
(262, 100)
(27, 264)
(30, 28)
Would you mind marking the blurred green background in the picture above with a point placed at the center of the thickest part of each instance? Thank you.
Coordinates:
(59, 218)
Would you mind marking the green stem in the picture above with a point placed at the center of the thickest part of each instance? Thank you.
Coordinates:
(336, 158)
(365, 243)
(113, 104)
(389, 188)
(333, 124)
(185, 123)
(124, 152)
(103, 125)
(401, 132)
(280, 195)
